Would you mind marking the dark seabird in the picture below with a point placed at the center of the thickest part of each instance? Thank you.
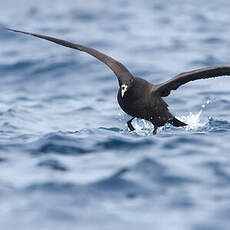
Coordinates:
(136, 96)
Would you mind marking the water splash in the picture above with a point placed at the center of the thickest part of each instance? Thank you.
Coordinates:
(142, 127)
(206, 103)
(193, 119)
(145, 128)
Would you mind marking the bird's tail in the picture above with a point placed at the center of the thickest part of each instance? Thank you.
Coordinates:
(175, 122)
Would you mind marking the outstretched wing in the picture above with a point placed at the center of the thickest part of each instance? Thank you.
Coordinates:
(120, 70)
(165, 88)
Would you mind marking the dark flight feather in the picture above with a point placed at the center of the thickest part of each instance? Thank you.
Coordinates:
(119, 69)
(165, 88)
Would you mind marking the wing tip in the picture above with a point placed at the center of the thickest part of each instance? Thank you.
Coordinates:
(6, 28)
(17, 31)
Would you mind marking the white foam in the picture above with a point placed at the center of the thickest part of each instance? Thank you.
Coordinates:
(193, 120)
(142, 127)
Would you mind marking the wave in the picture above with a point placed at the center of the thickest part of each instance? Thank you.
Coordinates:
(59, 143)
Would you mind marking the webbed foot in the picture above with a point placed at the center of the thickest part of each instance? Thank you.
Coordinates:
(155, 130)
(129, 123)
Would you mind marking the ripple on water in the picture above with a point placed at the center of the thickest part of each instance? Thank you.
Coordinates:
(151, 171)
(60, 144)
(56, 187)
(220, 172)
(218, 126)
(124, 143)
(2, 159)
(118, 185)
(17, 66)
(53, 164)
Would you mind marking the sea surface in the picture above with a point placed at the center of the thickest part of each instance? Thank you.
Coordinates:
(67, 158)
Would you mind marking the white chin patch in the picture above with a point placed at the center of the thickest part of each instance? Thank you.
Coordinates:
(123, 89)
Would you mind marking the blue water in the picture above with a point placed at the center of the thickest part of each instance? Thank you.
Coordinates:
(67, 159)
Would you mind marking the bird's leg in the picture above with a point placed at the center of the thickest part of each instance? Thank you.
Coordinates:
(155, 130)
(129, 123)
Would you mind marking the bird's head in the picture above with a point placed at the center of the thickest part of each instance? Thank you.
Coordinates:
(125, 86)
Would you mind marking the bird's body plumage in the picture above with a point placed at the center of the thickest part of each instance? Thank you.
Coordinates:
(136, 96)
(140, 102)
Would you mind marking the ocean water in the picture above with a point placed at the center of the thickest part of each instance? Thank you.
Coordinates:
(67, 159)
